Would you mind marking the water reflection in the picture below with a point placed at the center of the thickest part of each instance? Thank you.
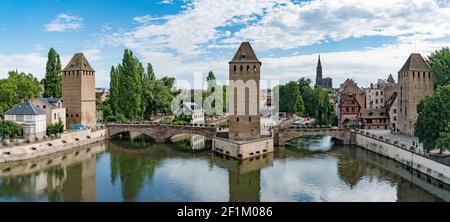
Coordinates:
(138, 170)
(68, 176)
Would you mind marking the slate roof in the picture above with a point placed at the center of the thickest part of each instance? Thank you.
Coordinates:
(78, 62)
(245, 53)
(390, 79)
(25, 108)
(415, 62)
(50, 101)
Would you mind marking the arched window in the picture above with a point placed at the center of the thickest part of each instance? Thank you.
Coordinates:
(234, 68)
(248, 68)
(241, 68)
(254, 68)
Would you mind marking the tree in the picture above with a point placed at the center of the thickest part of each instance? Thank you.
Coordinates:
(150, 73)
(114, 87)
(18, 87)
(211, 80)
(443, 142)
(9, 128)
(434, 118)
(56, 128)
(52, 83)
(130, 72)
(439, 62)
(290, 98)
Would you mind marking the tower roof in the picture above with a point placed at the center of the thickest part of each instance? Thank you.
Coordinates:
(78, 62)
(415, 62)
(245, 53)
(319, 64)
(390, 79)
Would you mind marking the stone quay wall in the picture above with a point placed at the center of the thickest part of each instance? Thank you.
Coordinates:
(401, 153)
(67, 141)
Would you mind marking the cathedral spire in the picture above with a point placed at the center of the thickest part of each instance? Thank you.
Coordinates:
(319, 64)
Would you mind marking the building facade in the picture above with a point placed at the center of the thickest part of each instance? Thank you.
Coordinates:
(191, 112)
(320, 81)
(350, 101)
(244, 98)
(415, 81)
(54, 109)
(78, 92)
(30, 117)
(375, 119)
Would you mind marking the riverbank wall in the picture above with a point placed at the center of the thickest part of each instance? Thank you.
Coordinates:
(402, 154)
(66, 141)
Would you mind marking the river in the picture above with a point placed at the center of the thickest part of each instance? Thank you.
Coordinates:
(309, 169)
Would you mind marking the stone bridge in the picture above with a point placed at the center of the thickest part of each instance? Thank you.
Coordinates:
(281, 136)
(159, 132)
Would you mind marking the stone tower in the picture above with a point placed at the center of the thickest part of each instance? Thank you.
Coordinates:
(415, 81)
(319, 73)
(244, 75)
(78, 91)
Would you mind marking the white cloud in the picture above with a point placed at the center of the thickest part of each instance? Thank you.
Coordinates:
(166, 2)
(64, 22)
(28, 62)
(292, 25)
(192, 40)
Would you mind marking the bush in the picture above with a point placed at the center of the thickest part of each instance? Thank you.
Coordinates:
(55, 128)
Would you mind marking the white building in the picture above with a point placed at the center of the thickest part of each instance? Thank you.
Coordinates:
(191, 112)
(32, 119)
(375, 95)
(54, 109)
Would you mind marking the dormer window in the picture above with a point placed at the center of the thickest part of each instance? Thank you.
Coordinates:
(243, 55)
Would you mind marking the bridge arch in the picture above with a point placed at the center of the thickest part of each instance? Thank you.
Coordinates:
(160, 133)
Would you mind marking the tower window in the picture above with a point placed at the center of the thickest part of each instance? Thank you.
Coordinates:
(248, 68)
(254, 68)
(241, 68)
(77, 115)
(234, 68)
(237, 119)
(249, 119)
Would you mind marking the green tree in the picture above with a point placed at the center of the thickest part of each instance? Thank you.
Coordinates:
(18, 87)
(439, 62)
(9, 128)
(55, 128)
(211, 80)
(443, 142)
(130, 79)
(434, 118)
(291, 99)
(52, 83)
(150, 72)
(114, 87)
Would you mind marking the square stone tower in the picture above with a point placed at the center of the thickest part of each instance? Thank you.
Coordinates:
(78, 91)
(415, 81)
(244, 75)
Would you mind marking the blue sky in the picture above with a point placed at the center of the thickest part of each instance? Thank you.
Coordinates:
(363, 40)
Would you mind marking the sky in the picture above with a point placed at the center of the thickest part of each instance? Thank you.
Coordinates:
(362, 40)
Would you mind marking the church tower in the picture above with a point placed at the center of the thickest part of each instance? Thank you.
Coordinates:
(78, 91)
(415, 81)
(244, 75)
(319, 73)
